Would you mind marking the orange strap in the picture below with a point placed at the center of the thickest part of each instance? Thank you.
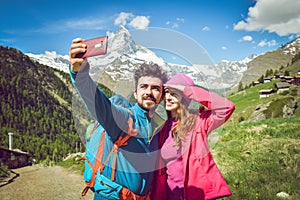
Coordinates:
(98, 159)
(85, 190)
(96, 165)
(128, 195)
(121, 141)
(96, 125)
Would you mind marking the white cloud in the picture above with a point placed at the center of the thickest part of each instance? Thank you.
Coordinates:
(137, 22)
(140, 22)
(181, 20)
(205, 28)
(247, 38)
(175, 24)
(224, 48)
(123, 18)
(267, 43)
(88, 23)
(292, 37)
(279, 16)
(7, 40)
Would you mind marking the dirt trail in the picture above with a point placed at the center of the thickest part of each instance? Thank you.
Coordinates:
(43, 183)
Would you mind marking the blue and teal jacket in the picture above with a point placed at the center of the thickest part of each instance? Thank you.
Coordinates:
(135, 161)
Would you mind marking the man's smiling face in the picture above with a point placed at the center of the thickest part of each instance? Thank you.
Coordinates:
(148, 92)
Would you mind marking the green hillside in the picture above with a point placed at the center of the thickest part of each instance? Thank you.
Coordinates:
(270, 60)
(248, 102)
(294, 67)
(42, 124)
(36, 105)
(283, 57)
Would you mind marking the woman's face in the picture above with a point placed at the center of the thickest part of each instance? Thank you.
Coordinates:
(172, 100)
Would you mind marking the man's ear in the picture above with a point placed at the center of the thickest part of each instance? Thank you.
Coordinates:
(135, 95)
(161, 99)
(162, 96)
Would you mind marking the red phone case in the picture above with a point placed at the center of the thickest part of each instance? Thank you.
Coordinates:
(94, 47)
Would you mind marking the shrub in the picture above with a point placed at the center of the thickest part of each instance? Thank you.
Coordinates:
(276, 107)
(293, 92)
(284, 93)
(241, 118)
(4, 172)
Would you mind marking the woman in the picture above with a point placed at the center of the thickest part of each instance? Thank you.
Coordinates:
(190, 171)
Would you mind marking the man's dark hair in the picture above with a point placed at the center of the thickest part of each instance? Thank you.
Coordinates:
(152, 70)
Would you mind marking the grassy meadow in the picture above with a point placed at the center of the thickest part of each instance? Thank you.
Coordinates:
(261, 159)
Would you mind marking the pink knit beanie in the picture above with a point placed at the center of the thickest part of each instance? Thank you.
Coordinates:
(181, 79)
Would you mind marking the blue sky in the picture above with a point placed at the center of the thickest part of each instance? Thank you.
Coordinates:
(225, 29)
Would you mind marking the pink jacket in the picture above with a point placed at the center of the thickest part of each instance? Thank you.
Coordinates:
(202, 178)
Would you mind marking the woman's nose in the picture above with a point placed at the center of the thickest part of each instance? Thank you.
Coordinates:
(167, 96)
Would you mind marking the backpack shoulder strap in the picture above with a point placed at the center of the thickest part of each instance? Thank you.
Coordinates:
(96, 166)
(121, 141)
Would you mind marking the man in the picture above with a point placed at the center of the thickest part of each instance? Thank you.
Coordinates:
(135, 161)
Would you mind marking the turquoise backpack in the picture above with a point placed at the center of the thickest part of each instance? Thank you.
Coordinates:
(95, 145)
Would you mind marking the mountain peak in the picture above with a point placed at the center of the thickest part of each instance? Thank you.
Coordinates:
(117, 66)
(122, 42)
(122, 29)
(292, 47)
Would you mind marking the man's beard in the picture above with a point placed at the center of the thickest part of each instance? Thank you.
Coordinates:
(152, 106)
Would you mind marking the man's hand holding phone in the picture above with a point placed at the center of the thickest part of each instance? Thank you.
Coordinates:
(94, 47)
(81, 49)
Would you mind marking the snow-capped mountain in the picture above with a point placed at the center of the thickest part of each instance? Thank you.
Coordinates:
(115, 69)
(292, 48)
(122, 57)
(231, 72)
(51, 59)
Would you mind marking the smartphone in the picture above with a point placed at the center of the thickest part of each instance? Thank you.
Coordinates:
(94, 47)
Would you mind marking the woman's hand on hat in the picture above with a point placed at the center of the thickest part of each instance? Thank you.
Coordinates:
(176, 87)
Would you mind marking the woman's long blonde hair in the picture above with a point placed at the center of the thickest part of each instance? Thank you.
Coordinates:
(186, 119)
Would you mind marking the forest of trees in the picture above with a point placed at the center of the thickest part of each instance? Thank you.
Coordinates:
(36, 105)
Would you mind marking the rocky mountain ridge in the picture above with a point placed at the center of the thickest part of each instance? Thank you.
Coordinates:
(274, 60)
(115, 69)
